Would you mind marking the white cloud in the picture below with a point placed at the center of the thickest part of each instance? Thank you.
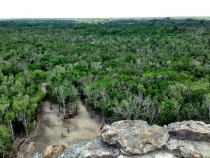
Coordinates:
(102, 8)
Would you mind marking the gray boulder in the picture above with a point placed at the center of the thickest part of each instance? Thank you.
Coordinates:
(201, 147)
(182, 148)
(156, 154)
(36, 155)
(190, 130)
(94, 148)
(135, 137)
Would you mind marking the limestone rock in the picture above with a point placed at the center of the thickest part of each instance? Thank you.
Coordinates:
(181, 148)
(94, 148)
(190, 130)
(36, 155)
(201, 147)
(98, 153)
(135, 137)
(53, 151)
(158, 154)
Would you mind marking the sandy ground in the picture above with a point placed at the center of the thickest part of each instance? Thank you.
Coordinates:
(80, 127)
(50, 127)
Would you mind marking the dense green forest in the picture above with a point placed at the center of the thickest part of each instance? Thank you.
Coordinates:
(156, 70)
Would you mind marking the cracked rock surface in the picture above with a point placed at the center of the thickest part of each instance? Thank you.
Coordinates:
(135, 137)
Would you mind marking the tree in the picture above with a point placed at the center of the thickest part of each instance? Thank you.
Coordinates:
(135, 106)
(206, 103)
(5, 140)
(73, 100)
(4, 104)
(8, 118)
(24, 107)
(64, 90)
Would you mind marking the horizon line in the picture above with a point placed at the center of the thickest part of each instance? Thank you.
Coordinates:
(111, 17)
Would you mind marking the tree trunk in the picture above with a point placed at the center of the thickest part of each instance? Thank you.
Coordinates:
(13, 136)
(64, 106)
(59, 108)
(25, 125)
(50, 105)
(209, 111)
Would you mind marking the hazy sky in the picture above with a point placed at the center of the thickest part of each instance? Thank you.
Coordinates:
(102, 8)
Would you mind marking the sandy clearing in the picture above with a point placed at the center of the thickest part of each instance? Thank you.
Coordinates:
(50, 127)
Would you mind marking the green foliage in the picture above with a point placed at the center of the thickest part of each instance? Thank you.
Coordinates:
(197, 95)
(5, 140)
(4, 104)
(168, 107)
(101, 61)
(30, 127)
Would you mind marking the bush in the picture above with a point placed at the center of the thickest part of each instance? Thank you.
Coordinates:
(30, 128)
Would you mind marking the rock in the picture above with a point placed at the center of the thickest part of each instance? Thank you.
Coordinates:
(158, 154)
(135, 137)
(98, 153)
(74, 150)
(53, 151)
(94, 148)
(36, 155)
(201, 147)
(182, 148)
(190, 130)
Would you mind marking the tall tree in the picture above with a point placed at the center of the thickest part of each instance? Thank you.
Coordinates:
(8, 118)
(64, 90)
(5, 140)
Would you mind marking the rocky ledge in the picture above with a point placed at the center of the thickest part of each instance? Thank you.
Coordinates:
(137, 139)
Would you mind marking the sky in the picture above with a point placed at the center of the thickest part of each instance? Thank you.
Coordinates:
(102, 8)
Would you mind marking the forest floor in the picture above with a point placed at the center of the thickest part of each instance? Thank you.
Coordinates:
(49, 128)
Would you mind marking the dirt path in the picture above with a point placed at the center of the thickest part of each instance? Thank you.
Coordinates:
(50, 127)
